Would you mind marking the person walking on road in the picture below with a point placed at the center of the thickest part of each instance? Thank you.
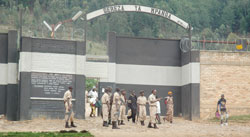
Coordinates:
(221, 106)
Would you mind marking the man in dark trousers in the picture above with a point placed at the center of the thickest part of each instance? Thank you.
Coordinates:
(132, 104)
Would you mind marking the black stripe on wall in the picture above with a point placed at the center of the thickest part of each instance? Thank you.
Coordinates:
(80, 96)
(187, 57)
(144, 51)
(52, 46)
(12, 46)
(12, 102)
(51, 109)
(190, 96)
(112, 46)
(3, 99)
(3, 48)
(25, 94)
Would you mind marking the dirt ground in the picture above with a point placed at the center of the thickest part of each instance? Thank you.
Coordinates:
(180, 128)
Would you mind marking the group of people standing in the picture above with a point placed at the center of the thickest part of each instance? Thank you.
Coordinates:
(114, 107)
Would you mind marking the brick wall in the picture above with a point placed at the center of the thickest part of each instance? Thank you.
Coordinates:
(224, 73)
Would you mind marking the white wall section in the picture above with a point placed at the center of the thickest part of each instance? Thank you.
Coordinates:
(8, 73)
(12, 73)
(148, 75)
(103, 70)
(3, 74)
(190, 73)
(52, 63)
(144, 74)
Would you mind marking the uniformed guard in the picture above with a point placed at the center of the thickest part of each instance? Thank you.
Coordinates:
(141, 106)
(110, 101)
(152, 108)
(170, 107)
(115, 110)
(122, 107)
(69, 114)
(105, 107)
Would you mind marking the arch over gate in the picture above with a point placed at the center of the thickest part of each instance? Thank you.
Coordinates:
(163, 68)
(138, 8)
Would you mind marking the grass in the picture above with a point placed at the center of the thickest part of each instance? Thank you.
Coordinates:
(235, 119)
(44, 134)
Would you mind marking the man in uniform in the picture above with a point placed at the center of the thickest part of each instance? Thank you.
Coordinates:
(105, 107)
(122, 107)
(110, 103)
(170, 107)
(132, 104)
(141, 105)
(115, 111)
(152, 108)
(69, 114)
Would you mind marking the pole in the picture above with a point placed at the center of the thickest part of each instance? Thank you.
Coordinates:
(190, 74)
(85, 29)
(21, 23)
(189, 36)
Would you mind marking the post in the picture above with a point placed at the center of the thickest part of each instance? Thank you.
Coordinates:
(85, 29)
(189, 36)
(20, 22)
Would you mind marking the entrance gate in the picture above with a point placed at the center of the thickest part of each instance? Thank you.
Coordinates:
(47, 67)
(146, 64)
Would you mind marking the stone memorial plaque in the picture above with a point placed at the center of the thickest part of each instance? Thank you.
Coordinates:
(50, 84)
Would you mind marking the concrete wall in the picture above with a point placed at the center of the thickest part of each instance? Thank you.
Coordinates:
(190, 90)
(3, 71)
(8, 75)
(47, 68)
(225, 73)
(146, 64)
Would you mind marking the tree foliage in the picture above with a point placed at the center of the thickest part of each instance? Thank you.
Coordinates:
(209, 18)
